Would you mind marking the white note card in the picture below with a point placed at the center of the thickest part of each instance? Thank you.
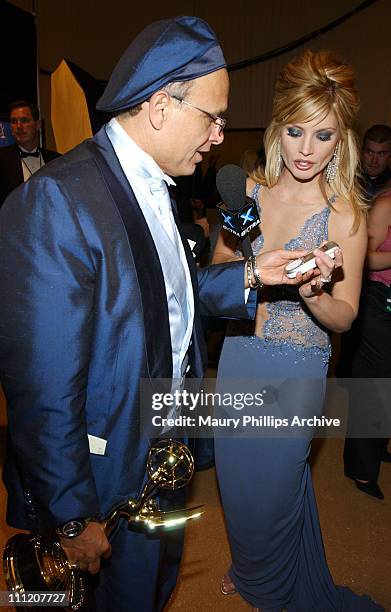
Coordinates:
(97, 445)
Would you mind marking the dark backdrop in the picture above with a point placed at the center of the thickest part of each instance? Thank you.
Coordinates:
(18, 53)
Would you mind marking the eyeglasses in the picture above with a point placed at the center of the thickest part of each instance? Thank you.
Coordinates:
(218, 121)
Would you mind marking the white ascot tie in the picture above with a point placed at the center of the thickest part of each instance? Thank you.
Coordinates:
(159, 192)
(170, 248)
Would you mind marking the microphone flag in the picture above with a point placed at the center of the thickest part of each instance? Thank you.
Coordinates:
(240, 222)
(239, 213)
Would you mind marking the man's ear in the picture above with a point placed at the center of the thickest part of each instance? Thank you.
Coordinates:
(159, 104)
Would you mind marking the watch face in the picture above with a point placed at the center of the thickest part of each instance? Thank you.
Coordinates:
(73, 528)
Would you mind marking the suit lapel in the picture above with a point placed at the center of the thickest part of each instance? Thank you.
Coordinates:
(16, 171)
(188, 253)
(147, 264)
(197, 352)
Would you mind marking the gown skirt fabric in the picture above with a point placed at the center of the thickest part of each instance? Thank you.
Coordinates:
(278, 558)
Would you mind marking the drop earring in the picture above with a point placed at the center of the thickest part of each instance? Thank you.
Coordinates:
(279, 160)
(332, 166)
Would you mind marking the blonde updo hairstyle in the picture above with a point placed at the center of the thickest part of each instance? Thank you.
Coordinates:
(311, 86)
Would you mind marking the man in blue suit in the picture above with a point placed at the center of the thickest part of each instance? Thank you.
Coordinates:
(100, 291)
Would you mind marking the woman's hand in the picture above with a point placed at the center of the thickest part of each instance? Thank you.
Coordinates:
(322, 274)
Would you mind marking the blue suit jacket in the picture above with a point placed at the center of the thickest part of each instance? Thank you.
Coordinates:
(83, 317)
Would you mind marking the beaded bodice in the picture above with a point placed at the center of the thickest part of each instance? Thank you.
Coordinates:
(288, 320)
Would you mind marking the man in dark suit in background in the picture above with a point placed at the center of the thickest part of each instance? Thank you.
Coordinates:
(19, 161)
(376, 157)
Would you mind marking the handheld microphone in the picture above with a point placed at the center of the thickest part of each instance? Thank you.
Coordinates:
(238, 212)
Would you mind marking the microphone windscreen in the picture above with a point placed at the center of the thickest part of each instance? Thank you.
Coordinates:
(231, 185)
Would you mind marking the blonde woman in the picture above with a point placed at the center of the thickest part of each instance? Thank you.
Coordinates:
(306, 196)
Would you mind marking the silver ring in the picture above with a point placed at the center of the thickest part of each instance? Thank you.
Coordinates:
(326, 279)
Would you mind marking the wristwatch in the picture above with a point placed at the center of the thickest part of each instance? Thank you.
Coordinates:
(74, 528)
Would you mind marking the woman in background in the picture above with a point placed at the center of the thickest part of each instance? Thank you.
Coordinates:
(306, 196)
(372, 354)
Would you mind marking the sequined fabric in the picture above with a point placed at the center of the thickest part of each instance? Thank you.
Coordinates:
(289, 323)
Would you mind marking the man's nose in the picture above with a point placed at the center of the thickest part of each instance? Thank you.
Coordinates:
(217, 135)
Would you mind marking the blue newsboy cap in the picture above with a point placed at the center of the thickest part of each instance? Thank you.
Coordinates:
(179, 49)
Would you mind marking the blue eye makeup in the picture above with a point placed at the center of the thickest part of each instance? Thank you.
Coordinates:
(294, 132)
(324, 136)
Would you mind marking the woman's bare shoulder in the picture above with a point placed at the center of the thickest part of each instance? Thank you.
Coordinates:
(342, 221)
(342, 211)
(341, 206)
(250, 184)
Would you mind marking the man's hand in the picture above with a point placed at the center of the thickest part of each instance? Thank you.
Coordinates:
(271, 266)
(86, 549)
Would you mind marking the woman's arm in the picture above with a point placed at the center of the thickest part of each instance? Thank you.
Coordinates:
(225, 248)
(379, 222)
(337, 310)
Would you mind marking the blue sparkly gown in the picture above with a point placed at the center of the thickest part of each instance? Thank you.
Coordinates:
(278, 559)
